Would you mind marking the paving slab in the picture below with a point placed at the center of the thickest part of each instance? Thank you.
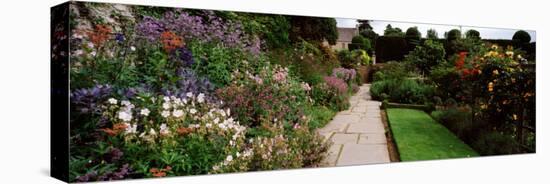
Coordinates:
(365, 128)
(339, 138)
(359, 154)
(372, 138)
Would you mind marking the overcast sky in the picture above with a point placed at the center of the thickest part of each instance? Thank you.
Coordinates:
(487, 33)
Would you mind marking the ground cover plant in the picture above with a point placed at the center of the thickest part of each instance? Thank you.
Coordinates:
(419, 137)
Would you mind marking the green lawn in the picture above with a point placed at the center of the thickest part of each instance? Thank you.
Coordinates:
(419, 137)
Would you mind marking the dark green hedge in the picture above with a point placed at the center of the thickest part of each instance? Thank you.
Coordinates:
(395, 48)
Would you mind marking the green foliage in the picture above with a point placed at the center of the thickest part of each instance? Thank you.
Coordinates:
(393, 32)
(472, 34)
(217, 62)
(320, 116)
(426, 56)
(453, 34)
(402, 91)
(521, 37)
(391, 70)
(360, 56)
(496, 143)
(323, 95)
(413, 33)
(360, 42)
(391, 48)
(432, 34)
(313, 29)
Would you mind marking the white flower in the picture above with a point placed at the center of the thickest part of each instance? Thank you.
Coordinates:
(165, 114)
(166, 99)
(232, 143)
(144, 112)
(200, 98)
(93, 53)
(125, 103)
(164, 129)
(189, 94)
(130, 129)
(142, 134)
(238, 154)
(152, 132)
(193, 111)
(217, 120)
(90, 45)
(113, 101)
(177, 113)
(228, 112)
(78, 52)
(125, 115)
(133, 48)
(166, 105)
(229, 158)
(208, 125)
(215, 168)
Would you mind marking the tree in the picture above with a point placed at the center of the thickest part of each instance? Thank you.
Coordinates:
(521, 37)
(364, 25)
(360, 42)
(432, 34)
(395, 32)
(371, 35)
(473, 34)
(413, 32)
(313, 29)
(413, 37)
(453, 34)
(426, 56)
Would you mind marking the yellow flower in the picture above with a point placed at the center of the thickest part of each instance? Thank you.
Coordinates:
(490, 86)
(510, 54)
(519, 56)
(494, 46)
(495, 72)
(515, 117)
(483, 106)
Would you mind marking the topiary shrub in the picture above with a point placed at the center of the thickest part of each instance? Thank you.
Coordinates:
(473, 34)
(426, 56)
(521, 37)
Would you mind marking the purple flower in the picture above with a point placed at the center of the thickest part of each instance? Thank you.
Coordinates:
(344, 74)
(337, 84)
(183, 56)
(87, 100)
(190, 82)
(119, 37)
(206, 27)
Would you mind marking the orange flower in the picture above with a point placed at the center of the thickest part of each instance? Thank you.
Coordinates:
(184, 131)
(490, 86)
(100, 34)
(170, 41)
(117, 128)
(159, 172)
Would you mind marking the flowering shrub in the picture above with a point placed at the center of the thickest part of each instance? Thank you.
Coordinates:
(337, 84)
(205, 28)
(498, 86)
(162, 128)
(326, 96)
(272, 94)
(347, 75)
(164, 100)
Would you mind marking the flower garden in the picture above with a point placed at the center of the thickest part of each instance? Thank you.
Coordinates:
(172, 92)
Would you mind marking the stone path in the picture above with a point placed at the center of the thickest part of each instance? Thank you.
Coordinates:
(357, 133)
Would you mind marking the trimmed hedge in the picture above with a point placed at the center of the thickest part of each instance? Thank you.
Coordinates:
(390, 49)
(395, 48)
